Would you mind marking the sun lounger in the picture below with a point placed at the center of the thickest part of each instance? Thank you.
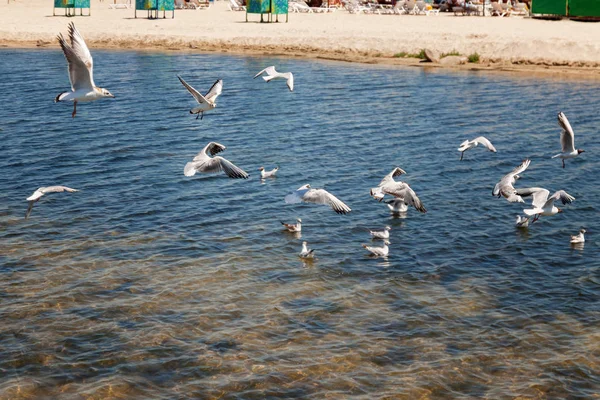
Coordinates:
(410, 7)
(235, 6)
(119, 4)
(497, 10)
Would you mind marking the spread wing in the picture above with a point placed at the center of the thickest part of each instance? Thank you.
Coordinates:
(567, 136)
(78, 57)
(540, 195)
(213, 148)
(269, 70)
(505, 186)
(411, 198)
(561, 195)
(322, 196)
(485, 142)
(58, 189)
(290, 81)
(214, 91)
(29, 208)
(390, 177)
(218, 164)
(197, 95)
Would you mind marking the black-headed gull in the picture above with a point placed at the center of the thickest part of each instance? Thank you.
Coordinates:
(567, 140)
(379, 251)
(306, 252)
(208, 101)
(505, 186)
(522, 222)
(399, 190)
(579, 238)
(42, 191)
(81, 71)
(318, 196)
(469, 144)
(542, 204)
(297, 227)
(272, 74)
(203, 162)
(268, 174)
(381, 233)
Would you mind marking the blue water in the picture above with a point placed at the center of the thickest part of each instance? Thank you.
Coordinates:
(149, 284)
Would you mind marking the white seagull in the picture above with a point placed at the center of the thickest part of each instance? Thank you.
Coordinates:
(306, 252)
(208, 101)
(318, 196)
(469, 144)
(379, 251)
(579, 238)
(268, 174)
(81, 71)
(505, 186)
(272, 74)
(37, 195)
(542, 204)
(203, 162)
(397, 206)
(297, 227)
(381, 233)
(522, 222)
(399, 190)
(567, 140)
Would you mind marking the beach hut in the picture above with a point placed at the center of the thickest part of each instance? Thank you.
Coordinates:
(154, 7)
(584, 9)
(71, 7)
(557, 8)
(269, 7)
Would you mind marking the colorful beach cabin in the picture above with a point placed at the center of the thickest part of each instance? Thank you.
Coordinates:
(269, 7)
(574, 9)
(153, 7)
(71, 7)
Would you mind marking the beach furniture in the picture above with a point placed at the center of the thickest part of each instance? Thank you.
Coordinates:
(410, 7)
(298, 7)
(353, 7)
(71, 7)
(153, 7)
(235, 6)
(269, 7)
(497, 10)
(198, 4)
(117, 4)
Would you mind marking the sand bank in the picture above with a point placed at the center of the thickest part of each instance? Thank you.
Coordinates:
(561, 48)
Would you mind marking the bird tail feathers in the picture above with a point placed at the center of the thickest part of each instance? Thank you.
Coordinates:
(189, 169)
(558, 155)
(60, 96)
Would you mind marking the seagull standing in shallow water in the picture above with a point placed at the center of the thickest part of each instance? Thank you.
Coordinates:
(206, 163)
(469, 144)
(81, 71)
(567, 140)
(381, 233)
(379, 251)
(318, 196)
(579, 238)
(37, 195)
(297, 227)
(268, 174)
(206, 102)
(306, 252)
(272, 74)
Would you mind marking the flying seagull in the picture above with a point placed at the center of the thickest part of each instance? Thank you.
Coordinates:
(306, 252)
(469, 144)
(206, 163)
(579, 238)
(542, 204)
(379, 251)
(208, 101)
(37, 195)
(567, 140)
(272, 74)
(381, 233)
(297, 227)
(398, 189)
(505, 186)
(268, 174)
(318, 196)
(81, 71)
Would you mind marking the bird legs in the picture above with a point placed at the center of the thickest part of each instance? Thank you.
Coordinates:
(461, 155)
(563, 162)
(537, 216)
(200, 115)
(74, 109)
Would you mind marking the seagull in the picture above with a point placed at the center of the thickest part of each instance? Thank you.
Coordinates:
(397, 206)
(205, 163)
(505, 186)
(579, 238)
(297, 227)
(469, 144)
(272, 74)
(318, 196)
(542, 204)
(268, 174)
(522, 222)
(379, 251)
(381, 233)
(81, 71)
(37, 195)
(306, 252)
(567, 140)
(400, 190)
(208, 101)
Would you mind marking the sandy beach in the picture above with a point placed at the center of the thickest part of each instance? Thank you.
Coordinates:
(561, 48)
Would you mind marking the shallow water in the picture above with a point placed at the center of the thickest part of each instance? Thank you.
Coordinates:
(148, 284)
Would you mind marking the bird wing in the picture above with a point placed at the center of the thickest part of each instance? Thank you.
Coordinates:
(36, 195)
(567, 136)
(197, 95)
(322, 196)
(505, 186)
(561, 195)
(540, 195)
(213, 148)
(485, 142)
(269, 70)
(29, 208)
(79, 58)
(218, 163)
(390, 177)
(290, 81)
(214, 91)
(58, 189)
(411, 198)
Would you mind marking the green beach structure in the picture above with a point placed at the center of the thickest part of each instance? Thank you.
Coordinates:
(71, 7)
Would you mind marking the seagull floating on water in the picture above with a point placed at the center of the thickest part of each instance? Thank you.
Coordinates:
(37, 195)
(522, 222)
(400, 190)
(381, 233)
(379, 251)
(397, 206)
(268, 174)
(469, 144)
(206, 102)
(81, 71)
(579, 238)
(567, 140)
(306, 252)
(505, 186)
(542, 204)
(297, 227)
(272, 74)
(203, 162)
(318, 196)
